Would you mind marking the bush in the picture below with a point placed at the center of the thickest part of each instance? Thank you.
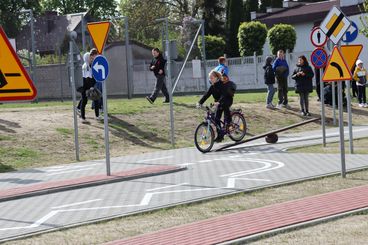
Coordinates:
(251, 37)
(215, 46)
(283, 37)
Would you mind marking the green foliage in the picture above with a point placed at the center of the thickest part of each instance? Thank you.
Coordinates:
(10, 16)
(212, 13)
(282, 36)
(272, 4)
(252, 36)
(215, 46)
(41, 60)
(250, 6)
(364, 19)
(234, 18)
(97, 9)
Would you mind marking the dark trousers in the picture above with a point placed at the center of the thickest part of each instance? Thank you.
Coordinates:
(304, 101)
(83, 103)
(282, 88)
(361, 95)
(354, 88)
(160, 85)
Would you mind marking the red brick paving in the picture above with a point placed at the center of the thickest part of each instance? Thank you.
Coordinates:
(102, 178)
(250, 222)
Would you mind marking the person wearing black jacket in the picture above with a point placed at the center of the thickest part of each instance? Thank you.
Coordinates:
(157, 66)
(303, 75)
(269, 78)
(222, 91)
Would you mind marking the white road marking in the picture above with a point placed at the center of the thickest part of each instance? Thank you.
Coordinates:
(69, 171)
(76, 204)
(166, 187)
(154, 159)
(71, 167)
(202, 161)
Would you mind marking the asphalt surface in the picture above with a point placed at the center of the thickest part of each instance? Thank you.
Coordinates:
(250, 166)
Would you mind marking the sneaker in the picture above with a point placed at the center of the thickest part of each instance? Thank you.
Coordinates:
(361, 105)
(302, 113)
(78, 112)
(279, 106)
(270, 106)
(365, 105)
(307, 114)
(149, 100)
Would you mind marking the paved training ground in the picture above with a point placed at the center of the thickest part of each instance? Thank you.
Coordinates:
(242, 225)
(208, 175)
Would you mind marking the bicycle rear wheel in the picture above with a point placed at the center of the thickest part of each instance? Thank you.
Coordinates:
(238, 127)
(204, 137)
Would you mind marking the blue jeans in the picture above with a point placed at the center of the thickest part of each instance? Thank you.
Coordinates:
(270, 93)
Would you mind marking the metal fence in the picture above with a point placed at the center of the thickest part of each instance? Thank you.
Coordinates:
(246, 72)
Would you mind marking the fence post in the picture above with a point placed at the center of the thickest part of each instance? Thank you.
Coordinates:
(255, 67)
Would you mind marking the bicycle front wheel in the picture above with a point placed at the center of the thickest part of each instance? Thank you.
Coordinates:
(204, 137)
(238, 127)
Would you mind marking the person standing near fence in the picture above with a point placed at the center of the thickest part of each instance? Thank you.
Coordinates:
(269, 79)
(360, 76)
(157, 66)
(303, 75)
(281, 69)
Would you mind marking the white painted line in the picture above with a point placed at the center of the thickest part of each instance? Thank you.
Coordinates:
(155, 159)
(166, 187)
(43, 219)
(76, 204)
(186, 164)
(69, 171)
(202, 161)
(71, 167)
(253, 179)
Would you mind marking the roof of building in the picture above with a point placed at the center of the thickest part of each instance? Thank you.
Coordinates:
(306, 12)
(50, 30)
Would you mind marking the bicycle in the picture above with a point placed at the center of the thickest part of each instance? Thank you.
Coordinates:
(204, 136)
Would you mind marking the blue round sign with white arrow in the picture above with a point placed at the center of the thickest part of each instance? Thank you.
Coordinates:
(100, 68)
(351, 34)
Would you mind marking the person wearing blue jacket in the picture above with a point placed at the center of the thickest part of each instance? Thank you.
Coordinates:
(222, 67)
(281, 69)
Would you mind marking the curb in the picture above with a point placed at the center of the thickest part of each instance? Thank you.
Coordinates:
(89, 184)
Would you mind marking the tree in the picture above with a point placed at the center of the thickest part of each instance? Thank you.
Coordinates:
(215, 46)
(181, 8)
(252, 36)
(212, 14)
(142, 26)
(250, 6)
(364, 19)
(235, 16)
(270, 3)
(97, 9)
(282, 36)
(10, 12)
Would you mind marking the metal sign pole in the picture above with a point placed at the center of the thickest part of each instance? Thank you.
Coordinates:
(106, 128)
(350, 120)
(323, 116)
(334, 102)
(204, 55)
(72, 81)
(341, 127)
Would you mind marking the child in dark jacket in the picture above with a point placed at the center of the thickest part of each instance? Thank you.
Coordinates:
(222, 91)
(269, 78)
(303, 75)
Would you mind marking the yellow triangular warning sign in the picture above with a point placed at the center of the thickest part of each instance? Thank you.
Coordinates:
(99, 32)
(15, 84)
(336, 70)
(351, 54)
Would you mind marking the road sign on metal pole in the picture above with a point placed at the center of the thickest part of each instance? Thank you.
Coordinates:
(318, 37)
(335, 25)
(100, 71)
(351, 34)
(319, 58)
(337, 69)
(15, 84)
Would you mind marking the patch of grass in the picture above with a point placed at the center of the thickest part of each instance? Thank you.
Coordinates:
(17, 157)
(360, 147)
(65, 131)
(124, 227)
(4, 138)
